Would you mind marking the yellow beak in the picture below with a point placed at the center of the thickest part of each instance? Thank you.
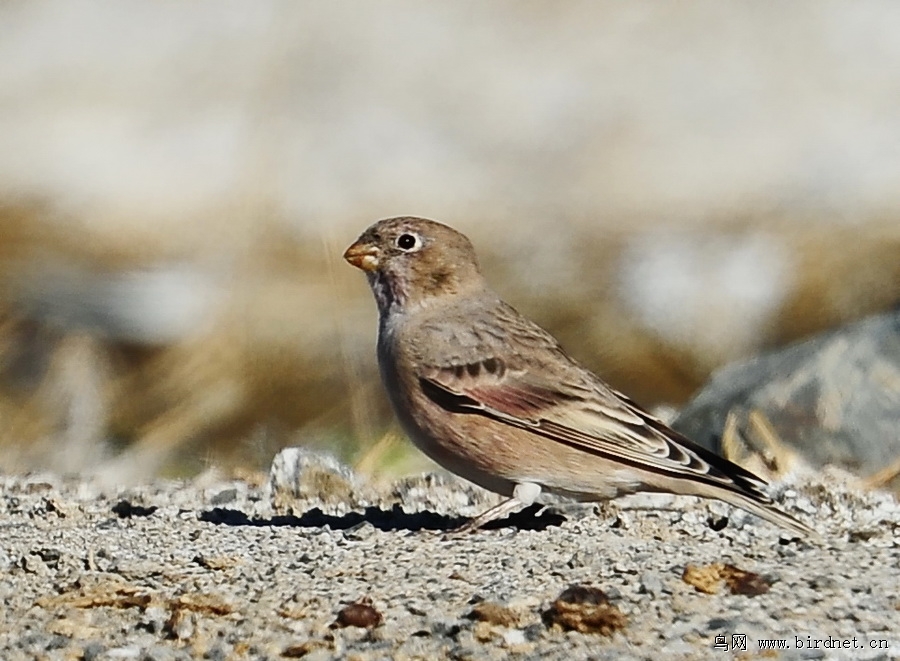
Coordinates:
(363, 256)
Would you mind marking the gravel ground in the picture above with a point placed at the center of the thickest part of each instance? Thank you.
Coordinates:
(320, 565)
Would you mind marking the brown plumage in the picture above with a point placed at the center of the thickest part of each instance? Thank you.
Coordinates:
(492, 397)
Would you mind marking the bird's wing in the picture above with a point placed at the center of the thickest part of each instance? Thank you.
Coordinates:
(582, 412)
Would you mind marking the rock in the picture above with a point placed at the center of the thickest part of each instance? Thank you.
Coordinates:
(833, 399)
(300, 474)
(651, 584)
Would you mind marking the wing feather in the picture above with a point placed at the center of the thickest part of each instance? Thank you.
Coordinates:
(585, 414)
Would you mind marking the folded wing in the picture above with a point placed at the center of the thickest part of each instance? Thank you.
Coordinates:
(584, 414)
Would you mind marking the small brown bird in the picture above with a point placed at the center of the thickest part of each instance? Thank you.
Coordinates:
(492, 397)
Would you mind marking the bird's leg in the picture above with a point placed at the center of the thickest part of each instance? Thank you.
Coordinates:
(524, 494)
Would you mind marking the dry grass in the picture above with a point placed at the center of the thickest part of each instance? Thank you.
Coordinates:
(285, 354)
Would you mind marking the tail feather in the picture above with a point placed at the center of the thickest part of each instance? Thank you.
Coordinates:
(767, 512)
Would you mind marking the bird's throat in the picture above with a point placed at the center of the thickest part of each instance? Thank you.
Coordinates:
(391, 292)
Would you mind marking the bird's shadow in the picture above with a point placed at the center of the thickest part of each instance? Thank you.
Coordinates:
(386, 520)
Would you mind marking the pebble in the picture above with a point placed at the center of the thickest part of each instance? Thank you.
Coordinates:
(257, 582)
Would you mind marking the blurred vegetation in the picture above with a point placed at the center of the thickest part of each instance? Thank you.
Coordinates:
(280, 348)
(665, 189)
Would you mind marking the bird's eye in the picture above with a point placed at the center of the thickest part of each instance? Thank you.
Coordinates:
(408, 242)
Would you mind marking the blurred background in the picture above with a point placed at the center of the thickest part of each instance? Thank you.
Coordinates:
(665, 187)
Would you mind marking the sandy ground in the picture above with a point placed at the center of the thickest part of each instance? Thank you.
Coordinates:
(231, 569)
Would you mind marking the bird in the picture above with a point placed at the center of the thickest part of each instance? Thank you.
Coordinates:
(492, 397)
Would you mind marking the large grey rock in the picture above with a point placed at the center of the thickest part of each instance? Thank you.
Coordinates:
(833, 399)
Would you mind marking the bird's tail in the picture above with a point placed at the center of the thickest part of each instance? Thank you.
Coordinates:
(768, 512)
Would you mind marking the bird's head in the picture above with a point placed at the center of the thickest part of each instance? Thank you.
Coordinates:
(412, 261)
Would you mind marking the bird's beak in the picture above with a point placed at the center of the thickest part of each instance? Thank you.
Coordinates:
(363, 256)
